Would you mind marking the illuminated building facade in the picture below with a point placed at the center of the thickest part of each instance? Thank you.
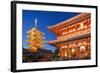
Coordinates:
(73, 37)
(35, 39)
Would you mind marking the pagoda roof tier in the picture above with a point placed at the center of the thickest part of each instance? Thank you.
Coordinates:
(53, 42)
(70, 21)
(34, 30)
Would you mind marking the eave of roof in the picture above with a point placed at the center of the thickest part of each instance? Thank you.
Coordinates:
(72, 20)
(70, 39)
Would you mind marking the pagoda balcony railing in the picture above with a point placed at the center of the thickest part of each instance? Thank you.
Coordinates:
(76, 33)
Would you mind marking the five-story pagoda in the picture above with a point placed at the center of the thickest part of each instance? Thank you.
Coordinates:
(35, 38)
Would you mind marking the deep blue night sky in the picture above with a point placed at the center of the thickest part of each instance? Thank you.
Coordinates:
(45, 18)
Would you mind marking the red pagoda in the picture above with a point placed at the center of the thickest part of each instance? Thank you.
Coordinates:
(73, 37)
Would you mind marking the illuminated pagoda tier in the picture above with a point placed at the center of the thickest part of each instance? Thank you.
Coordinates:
(73, 37)
(35, 39)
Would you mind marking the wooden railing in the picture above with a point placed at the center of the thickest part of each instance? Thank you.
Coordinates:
(73, 34)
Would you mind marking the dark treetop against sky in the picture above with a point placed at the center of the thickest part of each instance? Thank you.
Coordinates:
(45, 19)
